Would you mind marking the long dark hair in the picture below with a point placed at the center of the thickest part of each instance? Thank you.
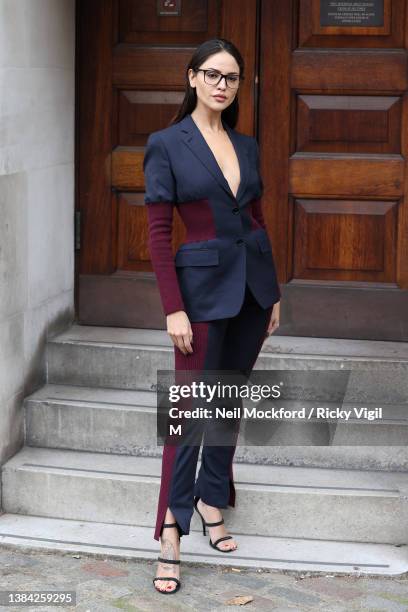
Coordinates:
(205, 50)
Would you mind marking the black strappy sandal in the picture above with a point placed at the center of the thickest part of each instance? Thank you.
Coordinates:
(214, 545)
(177, 562)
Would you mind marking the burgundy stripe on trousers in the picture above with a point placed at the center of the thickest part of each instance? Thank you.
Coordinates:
(223, 344)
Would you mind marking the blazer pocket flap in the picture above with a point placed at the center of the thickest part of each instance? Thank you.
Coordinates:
(264, 242)
(197, 257)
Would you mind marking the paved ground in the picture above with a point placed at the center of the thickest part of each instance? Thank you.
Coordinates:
(105, 584)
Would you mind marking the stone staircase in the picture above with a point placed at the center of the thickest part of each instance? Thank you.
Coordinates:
(89, 475)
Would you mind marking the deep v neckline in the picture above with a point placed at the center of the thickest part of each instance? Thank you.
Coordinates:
(225, 125)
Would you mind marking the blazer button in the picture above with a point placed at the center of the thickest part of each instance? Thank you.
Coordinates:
(239, 241)
(235, 210)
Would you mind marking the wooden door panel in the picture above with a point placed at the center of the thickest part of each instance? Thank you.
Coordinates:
(141, 23)
(347, 176)
(154, 67)
(139, 112)
(360, 124)
(364, 70)
(345, 240)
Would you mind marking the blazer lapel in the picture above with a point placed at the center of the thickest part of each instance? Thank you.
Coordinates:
(242, 154)
(198, 145)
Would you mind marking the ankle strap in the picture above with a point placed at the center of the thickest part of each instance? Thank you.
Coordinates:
(168, 560)
(215, 524)
(169, 524)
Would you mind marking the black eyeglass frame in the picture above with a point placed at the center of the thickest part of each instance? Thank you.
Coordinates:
(205, 70)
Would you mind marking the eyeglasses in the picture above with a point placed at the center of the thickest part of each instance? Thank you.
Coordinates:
(213, 77)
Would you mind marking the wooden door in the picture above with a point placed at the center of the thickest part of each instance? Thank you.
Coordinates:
(131, 61)
(333, 133)
(328, 97)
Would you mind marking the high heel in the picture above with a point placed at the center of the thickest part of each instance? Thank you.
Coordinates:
(177, 562)
(204, 524)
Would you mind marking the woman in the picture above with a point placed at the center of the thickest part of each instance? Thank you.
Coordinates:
(219, 293)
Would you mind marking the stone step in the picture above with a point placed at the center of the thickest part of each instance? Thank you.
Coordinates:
(126, 358)
(272, 501)
(136, 542)
(124, 422)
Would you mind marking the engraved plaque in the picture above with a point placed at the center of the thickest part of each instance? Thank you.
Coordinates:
(360, 13)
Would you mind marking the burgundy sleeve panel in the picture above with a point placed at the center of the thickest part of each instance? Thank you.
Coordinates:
(160, 217)
(160, 196)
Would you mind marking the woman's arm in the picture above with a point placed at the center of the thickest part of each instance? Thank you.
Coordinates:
(160, 195)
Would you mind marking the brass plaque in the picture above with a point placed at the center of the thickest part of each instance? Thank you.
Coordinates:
(360, 13)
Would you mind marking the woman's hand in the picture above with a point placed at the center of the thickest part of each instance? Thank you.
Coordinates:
(179, 329)
(274, 320)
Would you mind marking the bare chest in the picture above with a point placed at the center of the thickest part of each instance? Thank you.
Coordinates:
(226, 157)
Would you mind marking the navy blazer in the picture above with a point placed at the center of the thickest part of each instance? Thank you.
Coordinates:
(226, 244)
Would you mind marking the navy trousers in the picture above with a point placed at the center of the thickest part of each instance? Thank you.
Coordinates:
(223, 344)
